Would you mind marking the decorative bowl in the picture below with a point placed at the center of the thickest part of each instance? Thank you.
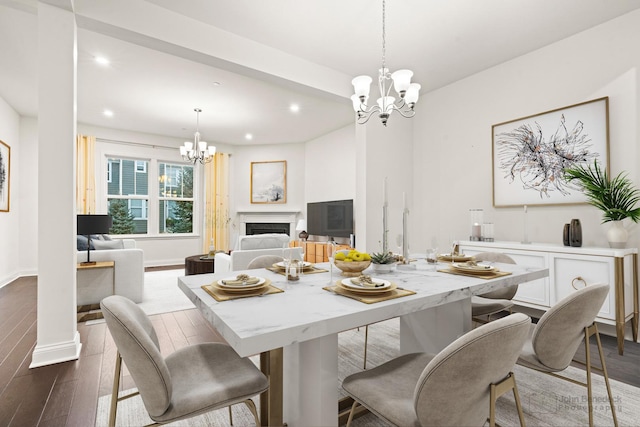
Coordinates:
(353, 268)
(384, 268)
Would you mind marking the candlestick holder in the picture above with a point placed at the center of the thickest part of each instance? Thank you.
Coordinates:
(476, 216)
(405, 264)
(526, 240)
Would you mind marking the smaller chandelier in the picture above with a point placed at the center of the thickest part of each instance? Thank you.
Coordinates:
(401, 79)
(197, 151)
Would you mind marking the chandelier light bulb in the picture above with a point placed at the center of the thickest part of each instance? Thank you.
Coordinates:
(401, 81)
(362, 86)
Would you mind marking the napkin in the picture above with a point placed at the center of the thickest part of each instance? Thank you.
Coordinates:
(249, 281)
(367, 282)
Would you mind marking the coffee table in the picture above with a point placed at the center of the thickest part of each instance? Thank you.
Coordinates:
(198, 264)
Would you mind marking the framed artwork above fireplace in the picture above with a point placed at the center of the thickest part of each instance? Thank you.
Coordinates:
(269, 182)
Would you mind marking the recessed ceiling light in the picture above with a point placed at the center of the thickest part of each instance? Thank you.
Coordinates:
(108, 113)
(217, 83)
(294, 108)
(102, 60)
(248, 137)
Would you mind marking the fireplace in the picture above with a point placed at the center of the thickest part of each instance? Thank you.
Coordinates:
(268, 227)
(253, 222)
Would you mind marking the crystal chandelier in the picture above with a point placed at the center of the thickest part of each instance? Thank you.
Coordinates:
(197, 151)
(386, 104)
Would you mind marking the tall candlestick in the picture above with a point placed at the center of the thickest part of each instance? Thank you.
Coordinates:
(526, 228)
(385, 229)
(404, 201)
(385, 201)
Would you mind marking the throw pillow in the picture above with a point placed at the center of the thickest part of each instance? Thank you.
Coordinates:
(82, 242)
(108, 244)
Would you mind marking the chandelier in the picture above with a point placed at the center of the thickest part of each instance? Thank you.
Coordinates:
(385, 105)
(197, 151)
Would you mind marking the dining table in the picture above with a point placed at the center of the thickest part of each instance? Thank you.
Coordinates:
(295, 330)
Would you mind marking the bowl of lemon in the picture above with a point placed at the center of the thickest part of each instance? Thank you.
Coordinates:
(352, 262)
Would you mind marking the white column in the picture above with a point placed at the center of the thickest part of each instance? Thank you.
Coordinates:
(58, 339)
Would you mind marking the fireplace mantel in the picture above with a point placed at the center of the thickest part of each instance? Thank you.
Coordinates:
(244, 217)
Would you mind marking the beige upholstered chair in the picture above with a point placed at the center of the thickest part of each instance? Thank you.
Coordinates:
(191, 381)
(457, 387)
(554, 340)
(495, 301)
(264, 261)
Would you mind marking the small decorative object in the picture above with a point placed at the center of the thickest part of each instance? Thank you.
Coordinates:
(269, 182)
(575, 233)
(383, 262)
(212, 250)
(526, 240)
(476, 224)
(565, 235)
(487, 232)
(292, 271)
(616, 198)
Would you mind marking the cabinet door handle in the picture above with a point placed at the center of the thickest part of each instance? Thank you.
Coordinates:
(578, 279)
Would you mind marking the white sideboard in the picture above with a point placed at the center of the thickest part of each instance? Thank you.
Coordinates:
(572, 268)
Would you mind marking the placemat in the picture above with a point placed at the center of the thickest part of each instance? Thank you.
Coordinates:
(479, 276)
(220, 295)
(308, 270)
(396, 293)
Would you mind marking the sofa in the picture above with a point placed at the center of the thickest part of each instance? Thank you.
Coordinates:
(129, 266)
(251, 247)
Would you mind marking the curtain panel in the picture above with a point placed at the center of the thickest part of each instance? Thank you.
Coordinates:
(216, 218)
(85, 174)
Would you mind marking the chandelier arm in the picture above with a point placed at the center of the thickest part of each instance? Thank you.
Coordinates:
(406, 114)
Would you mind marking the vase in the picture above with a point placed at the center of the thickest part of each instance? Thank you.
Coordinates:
(565, 235)
(617, 235)
(575, 233)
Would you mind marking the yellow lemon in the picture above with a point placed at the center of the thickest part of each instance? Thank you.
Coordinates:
(366, 256)
(357, 256)
(340, 256)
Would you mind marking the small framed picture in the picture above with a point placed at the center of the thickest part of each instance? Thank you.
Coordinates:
(5, 176)
(269, 182)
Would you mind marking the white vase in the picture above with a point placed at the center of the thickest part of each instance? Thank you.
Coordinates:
(617, 235)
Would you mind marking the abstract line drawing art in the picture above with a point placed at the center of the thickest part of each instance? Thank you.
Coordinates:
(531, 153)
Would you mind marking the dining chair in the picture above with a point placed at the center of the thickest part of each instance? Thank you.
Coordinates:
(192, 380)
(458, 386)
(264, 261)
(495, 301)
(553, 342)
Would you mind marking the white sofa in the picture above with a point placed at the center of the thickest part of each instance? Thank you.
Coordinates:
(128, 269)
(250, 247)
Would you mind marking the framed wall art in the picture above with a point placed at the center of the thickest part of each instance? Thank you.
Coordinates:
(269, 182)
(531, 153)
(5, 176)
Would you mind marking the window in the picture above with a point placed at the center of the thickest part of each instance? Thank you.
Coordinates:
(128, 195)
(175, 198)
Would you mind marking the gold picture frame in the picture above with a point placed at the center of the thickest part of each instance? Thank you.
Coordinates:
(269, 182)
(5, 176)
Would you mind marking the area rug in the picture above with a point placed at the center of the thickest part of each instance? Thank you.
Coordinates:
(547, 401)
(161, 293)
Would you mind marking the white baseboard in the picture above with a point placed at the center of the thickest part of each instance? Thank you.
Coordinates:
(50, 354)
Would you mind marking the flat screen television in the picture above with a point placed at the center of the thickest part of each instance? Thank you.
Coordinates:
(333, 219)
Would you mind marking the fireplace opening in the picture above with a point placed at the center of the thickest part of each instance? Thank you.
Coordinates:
(268, 227)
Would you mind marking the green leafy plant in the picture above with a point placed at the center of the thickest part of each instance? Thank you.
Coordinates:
(616, 197)
(383, 258)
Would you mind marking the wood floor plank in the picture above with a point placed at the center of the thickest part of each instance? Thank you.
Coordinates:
(83, 408)
(35, 396)
(59, 403)
(178, 339)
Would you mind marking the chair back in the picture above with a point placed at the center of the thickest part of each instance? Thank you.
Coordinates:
(454, 388)
(137, 343)
(264, 261)
(504, 293)
(560, 330)
(262, 241)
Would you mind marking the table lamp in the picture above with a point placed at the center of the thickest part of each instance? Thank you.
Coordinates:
(302, 227)
(93, 224)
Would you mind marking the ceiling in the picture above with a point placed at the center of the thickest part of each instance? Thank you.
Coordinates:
(166, 57)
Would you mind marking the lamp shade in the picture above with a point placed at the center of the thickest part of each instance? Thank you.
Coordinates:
(301, 225)
(94, 224)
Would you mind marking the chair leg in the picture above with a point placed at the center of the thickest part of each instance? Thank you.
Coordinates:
(366, 341)
(114, 392)
(588, 363)
(252, 408)
(353, 408)
(230, 416)
(497, 390)
(593, 330)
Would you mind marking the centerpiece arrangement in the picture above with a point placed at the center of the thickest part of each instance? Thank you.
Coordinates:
(352, 262)
(616, 198)
(384, 262)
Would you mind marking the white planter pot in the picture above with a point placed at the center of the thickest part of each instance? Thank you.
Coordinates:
(617, 235)
(383, 268)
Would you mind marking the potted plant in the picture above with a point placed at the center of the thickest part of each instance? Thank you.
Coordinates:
(383, 262)
(616, 198)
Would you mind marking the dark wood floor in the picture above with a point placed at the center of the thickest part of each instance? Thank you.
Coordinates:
(66, 394)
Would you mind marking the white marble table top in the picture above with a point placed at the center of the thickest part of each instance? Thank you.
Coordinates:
(305, 311)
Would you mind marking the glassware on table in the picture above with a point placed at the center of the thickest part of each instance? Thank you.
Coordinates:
(331, 251)
(303, 248)
(432, 257)
(286, 257)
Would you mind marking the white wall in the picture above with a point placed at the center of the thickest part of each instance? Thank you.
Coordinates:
(28, 197)
(10, 221)
(452, 140)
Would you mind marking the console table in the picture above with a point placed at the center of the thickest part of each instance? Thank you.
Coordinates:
(94, 282)
(571, 268)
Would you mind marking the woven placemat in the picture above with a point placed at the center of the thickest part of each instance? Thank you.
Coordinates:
(395, 293)
(308, 270)
(479, 276)
(220, 295)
